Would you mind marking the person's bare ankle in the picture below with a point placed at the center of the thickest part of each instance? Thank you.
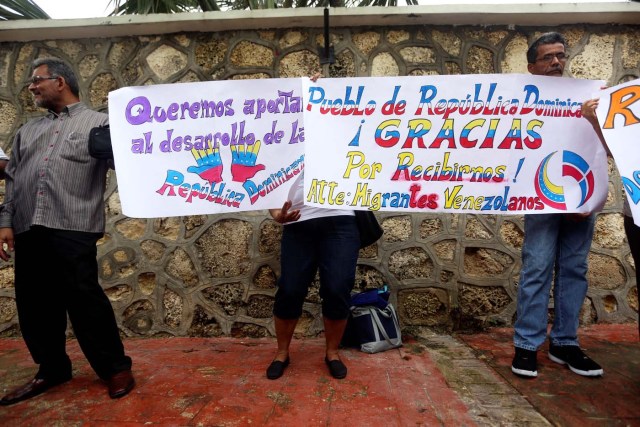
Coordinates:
(332, 355)
(282, 356)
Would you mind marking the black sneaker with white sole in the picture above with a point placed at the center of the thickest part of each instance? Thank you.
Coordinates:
(575, 358)
(525, 363)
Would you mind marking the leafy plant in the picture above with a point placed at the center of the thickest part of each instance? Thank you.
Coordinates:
(143, 7)
(21, 9)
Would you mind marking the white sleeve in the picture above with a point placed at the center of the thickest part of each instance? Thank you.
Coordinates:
(3, 156)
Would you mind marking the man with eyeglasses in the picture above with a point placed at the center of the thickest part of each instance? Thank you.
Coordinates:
(53, 216)
(553, 243)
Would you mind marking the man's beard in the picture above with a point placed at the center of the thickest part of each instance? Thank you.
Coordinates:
(42, 103)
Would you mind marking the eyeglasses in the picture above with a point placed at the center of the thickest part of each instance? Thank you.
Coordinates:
(36, 80)
(548, 58)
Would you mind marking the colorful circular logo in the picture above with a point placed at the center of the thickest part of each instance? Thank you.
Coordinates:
(573, 166)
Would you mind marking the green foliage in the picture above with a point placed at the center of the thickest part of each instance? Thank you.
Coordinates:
(28, 9)
(143, 7)
(21, 9)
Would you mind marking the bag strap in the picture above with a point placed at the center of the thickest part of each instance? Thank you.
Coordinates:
(383, 331)
(396, 322)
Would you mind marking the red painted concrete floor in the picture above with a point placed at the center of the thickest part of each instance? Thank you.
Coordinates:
(567, 399)
(221, 382)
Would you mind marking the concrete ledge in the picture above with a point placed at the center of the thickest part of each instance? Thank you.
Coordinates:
(438, 13)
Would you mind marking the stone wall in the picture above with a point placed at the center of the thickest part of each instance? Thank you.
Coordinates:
(215, 275)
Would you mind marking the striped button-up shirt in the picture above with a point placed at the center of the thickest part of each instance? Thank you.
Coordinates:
(51, 180)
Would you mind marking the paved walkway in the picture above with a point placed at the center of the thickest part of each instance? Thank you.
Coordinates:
(434, 380)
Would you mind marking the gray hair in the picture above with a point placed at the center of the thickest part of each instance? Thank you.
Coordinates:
(59, 68)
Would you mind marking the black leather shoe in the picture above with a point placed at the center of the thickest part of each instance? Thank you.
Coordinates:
(31, 389)
(336, 368)
(120, 384)
(276, 369)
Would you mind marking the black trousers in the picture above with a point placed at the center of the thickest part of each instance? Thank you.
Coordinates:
(633, 237)
(56, 272)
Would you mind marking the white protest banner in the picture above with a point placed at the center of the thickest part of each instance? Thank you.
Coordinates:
(204, 148)
(619, 117)
(489, 144)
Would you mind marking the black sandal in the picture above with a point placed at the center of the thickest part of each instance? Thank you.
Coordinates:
(276, 369)
(337, 369)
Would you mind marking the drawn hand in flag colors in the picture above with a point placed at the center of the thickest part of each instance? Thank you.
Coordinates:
(208, 164)
(243, 161)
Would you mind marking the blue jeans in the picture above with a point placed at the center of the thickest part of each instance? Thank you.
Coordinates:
(552, 240)
(328, 245)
